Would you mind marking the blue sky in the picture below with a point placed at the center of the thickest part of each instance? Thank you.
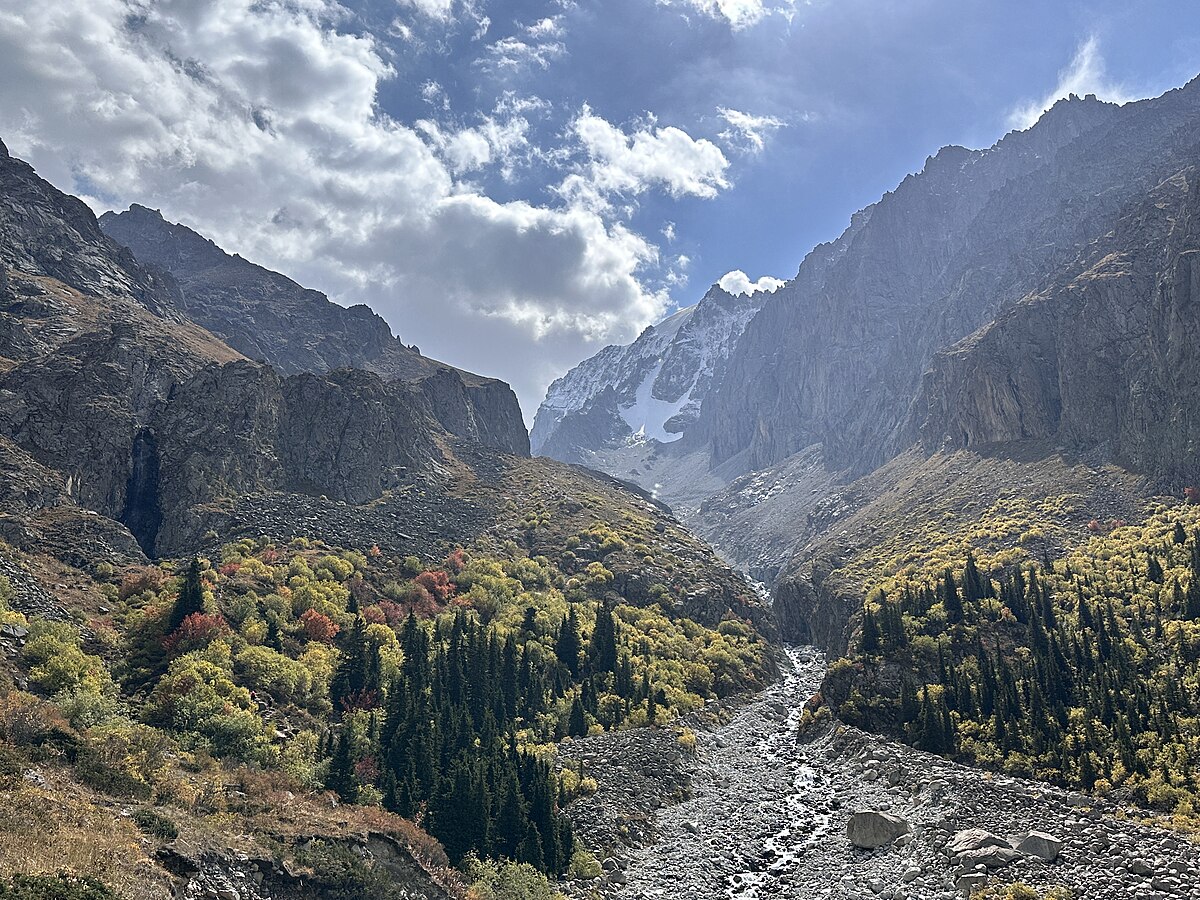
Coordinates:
(515, 184)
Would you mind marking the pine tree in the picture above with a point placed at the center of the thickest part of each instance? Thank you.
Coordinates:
(951, 599)
(340, 778)
(869, 640)
(577, 723)
(567, 646)
(603, 651)
(190, 599)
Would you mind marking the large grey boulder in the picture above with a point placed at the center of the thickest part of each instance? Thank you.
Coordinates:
(1041, 845)
(970, 839)
(871, 828)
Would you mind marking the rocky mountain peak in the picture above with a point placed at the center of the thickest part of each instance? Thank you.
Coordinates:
(647, 391)
(267, 316)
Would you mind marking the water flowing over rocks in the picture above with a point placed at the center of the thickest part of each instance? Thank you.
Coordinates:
(766, 809)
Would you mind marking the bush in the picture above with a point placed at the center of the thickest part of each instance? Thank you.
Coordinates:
(53, 887)
(491, 880)
(341, 874)
(153, 823)
(584, 865)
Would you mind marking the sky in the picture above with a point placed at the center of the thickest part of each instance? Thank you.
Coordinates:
(514, 185)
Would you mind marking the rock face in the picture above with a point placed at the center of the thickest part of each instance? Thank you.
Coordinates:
(112, 400)
(268, 317)
(650, 390)
(872, 828)
(836, 357)
(1103, 355)
(52, 234)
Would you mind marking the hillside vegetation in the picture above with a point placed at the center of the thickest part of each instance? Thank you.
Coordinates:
(430, 691)
(1082, 670)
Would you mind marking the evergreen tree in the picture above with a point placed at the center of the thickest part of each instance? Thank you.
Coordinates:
(567, 646)
(603, 651)
(190, 599)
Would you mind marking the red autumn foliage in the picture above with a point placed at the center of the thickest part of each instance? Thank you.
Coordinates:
(196, 632)
(373, 615)
(1094, 526)
(270, 556)
(1192, 495)
(230, 568)
(438, 584)
(318, 626)
(393, 613)
(364, 594)
(364, 699)
(457, 560)
(421, 602)
(149, 578)
(374, 551)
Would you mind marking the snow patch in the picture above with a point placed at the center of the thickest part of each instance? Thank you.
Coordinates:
(648, 414)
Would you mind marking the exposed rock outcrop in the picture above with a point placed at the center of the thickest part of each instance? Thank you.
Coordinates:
(268, 317)
(836, 356)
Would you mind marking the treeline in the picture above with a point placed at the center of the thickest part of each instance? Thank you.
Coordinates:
(443, 746)
(1084, 673)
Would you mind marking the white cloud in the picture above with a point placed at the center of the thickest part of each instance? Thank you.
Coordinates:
(257, 124)
(738, 282)
(739, 13)
(630, 164)
(1084, 75)
(746, 131)
(435, 9)
(533, 47)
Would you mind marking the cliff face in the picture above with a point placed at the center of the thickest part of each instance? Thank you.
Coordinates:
(1101, 357)
(268, 317)
(113, 401)
(837, 356)
(52, 234)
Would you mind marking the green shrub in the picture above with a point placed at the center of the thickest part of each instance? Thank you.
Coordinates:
(153, 823)
(338, 873)
(53, 887)
(491, 880)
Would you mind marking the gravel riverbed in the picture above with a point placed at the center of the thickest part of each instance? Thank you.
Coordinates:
(764, 812)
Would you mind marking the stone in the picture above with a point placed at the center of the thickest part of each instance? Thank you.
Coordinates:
(970, 882)
(974, 839)
(871, 828)
(1039, 844)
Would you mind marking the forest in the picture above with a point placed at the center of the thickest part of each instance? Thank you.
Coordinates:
(1083, 670)
(435, 691)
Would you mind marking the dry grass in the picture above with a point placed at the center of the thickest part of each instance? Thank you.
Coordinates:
(60, 828)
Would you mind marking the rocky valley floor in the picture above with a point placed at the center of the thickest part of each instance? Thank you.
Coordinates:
(766, 814)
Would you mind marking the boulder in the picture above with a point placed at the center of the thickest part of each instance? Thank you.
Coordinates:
(992, 857)
(970, 882)
(871, 828)
(974, 839)
(1041, 845)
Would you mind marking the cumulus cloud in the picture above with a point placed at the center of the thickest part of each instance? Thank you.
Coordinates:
(650, 157)
(739, 13)
(738, 282)
(1084, 75)
(257, 123)
(746, 131)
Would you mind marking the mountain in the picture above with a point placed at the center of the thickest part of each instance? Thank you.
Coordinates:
(647, 391)
(837, 356)
(269, 318)
(1027, 302)
(261, 617)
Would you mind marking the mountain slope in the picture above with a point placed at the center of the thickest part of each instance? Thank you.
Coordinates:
(650, 390)
(268, 317)
(836, 356)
